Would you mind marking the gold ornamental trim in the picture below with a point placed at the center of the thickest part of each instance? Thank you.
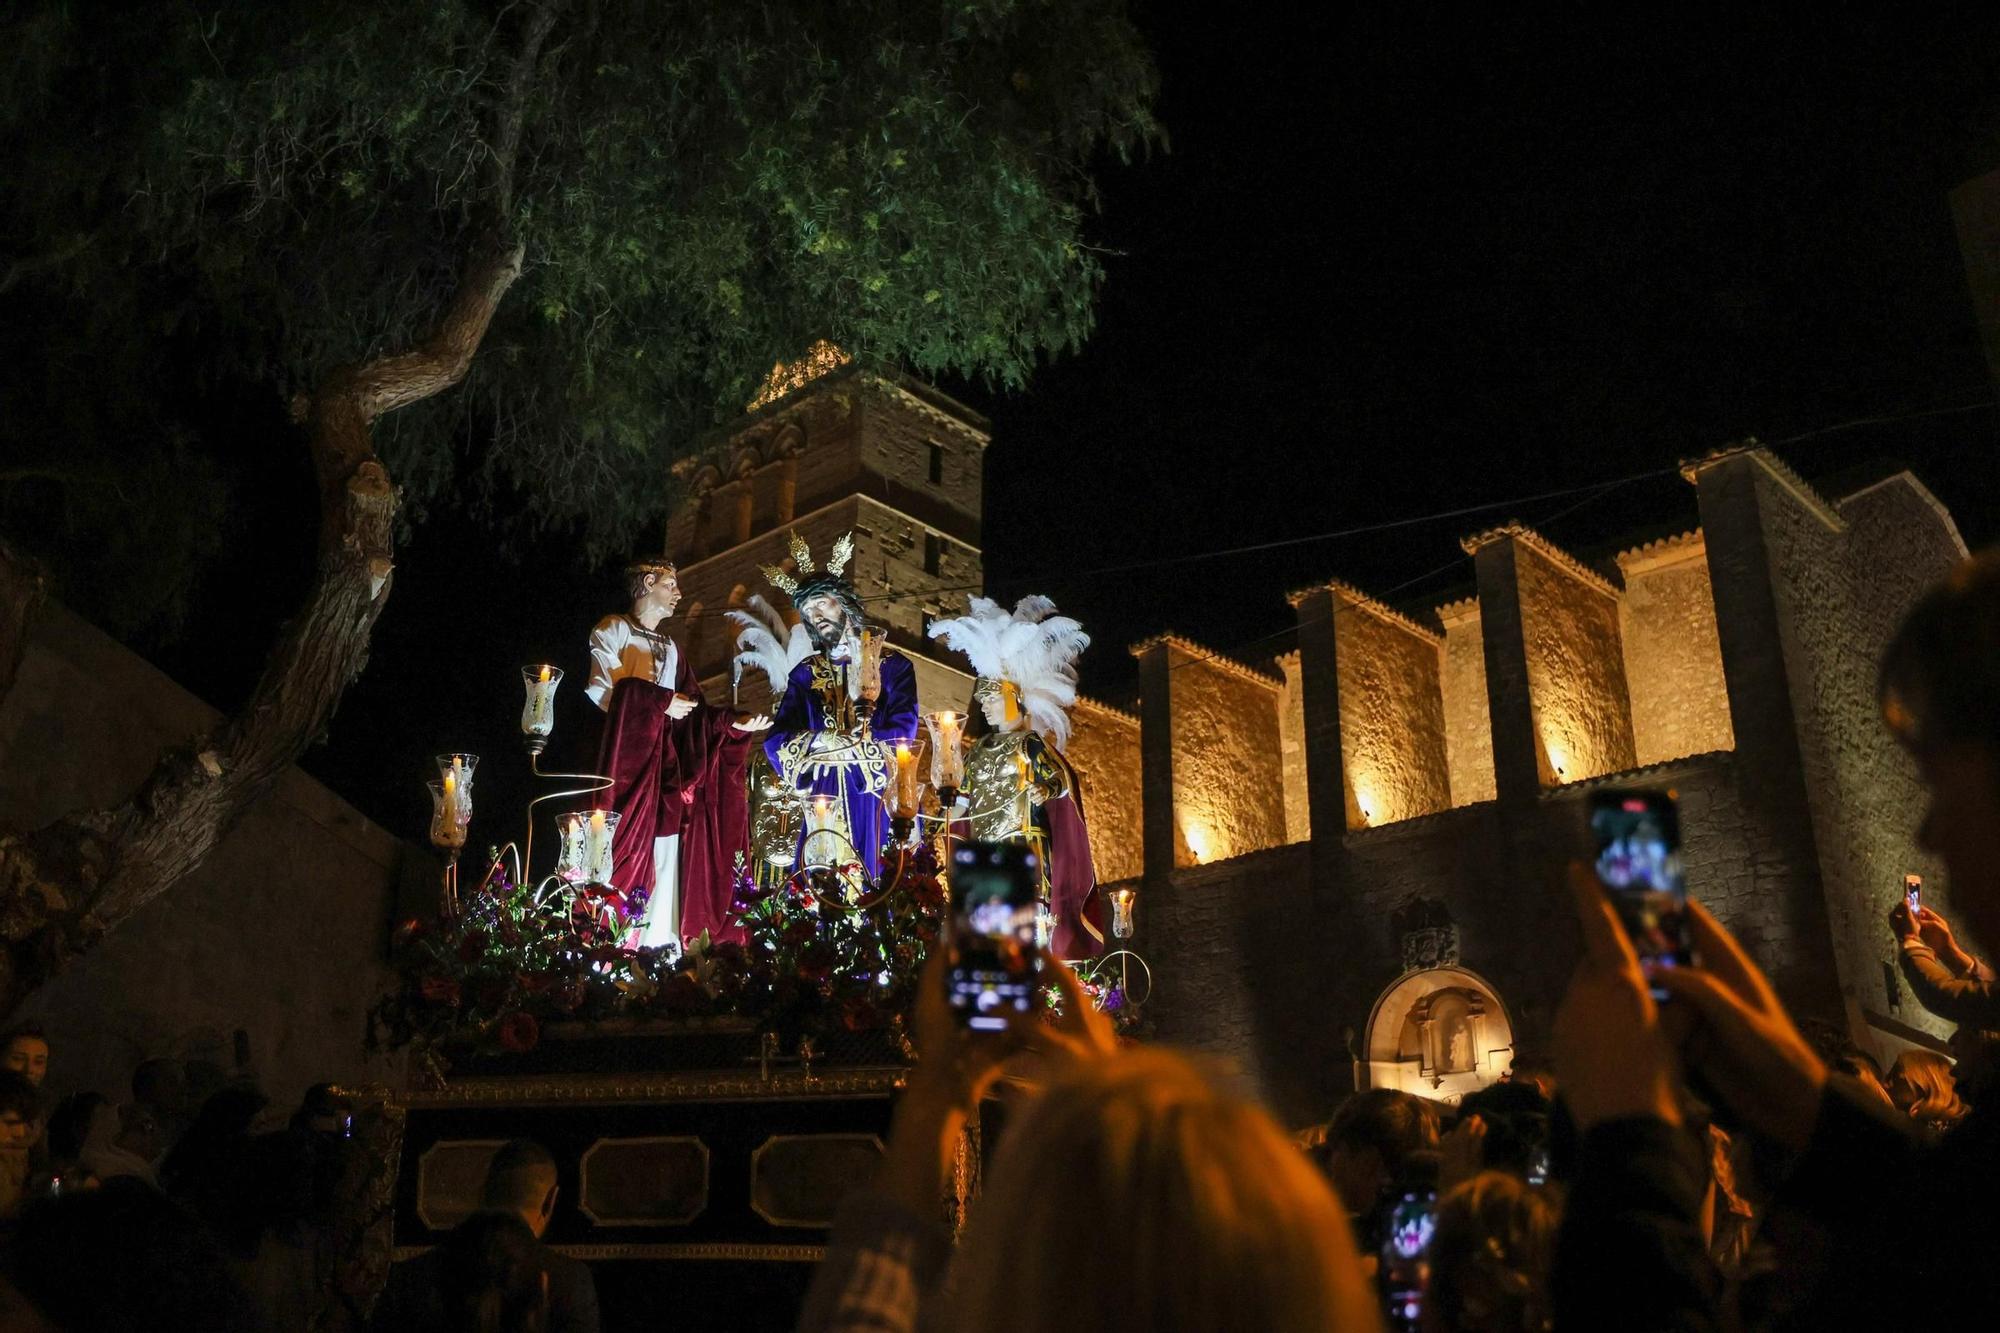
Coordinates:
(757, 1171)
(609, 1089)
(789, 1254)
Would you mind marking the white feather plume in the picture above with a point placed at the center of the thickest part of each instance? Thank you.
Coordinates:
(769, 644)
(1032, 647)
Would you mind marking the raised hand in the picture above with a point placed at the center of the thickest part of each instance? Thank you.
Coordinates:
(1615, 1059)
(750, 723)
(1742, 1040)
(1935, 931)
(680, 706)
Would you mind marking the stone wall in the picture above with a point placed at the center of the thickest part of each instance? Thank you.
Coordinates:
(1292, 748)
(1227, 756)
(1468, 722)
(1104, 750)
(1392, 722)
(1576, 668)
(1673, 659)
(282, 933)
(1846, 578)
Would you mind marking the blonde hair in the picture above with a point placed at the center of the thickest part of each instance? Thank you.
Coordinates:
(1137, 1195)
(1929, 1075)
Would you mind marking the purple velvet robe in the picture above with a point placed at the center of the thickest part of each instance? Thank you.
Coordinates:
(816, 701)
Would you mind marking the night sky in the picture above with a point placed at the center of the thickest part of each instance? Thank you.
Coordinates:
(1394, 264)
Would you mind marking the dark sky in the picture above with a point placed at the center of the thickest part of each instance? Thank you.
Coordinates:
(1394, 264)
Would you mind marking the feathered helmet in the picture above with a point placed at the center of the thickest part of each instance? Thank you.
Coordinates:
(1032, 648)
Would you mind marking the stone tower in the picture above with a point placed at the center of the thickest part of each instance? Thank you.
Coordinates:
(832, 448)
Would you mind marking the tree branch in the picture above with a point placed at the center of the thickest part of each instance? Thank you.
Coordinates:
(511, 113)
(390, 382)
(22, 269)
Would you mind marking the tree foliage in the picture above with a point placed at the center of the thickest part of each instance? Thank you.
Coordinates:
(244, 192)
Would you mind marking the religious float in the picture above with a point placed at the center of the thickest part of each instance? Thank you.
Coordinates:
(713, 1057)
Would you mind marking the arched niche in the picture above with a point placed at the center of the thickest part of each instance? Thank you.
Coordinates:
(1440, 1032)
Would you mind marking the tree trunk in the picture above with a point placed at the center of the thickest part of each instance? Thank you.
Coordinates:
(62, 886)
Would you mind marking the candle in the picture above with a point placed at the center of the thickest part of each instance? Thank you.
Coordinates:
(947, 754)
(538, 713)
(597, 849)
(1122, 899)
(447, 831)
(871, 665)
(906, 782)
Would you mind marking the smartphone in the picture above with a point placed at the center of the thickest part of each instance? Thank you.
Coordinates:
(994, 964)
(1538, 1166)
(1638, 837)
(1406, 1257)
(1913, 893)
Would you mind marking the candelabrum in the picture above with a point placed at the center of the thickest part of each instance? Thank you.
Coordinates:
(451, 814)
(538, 711)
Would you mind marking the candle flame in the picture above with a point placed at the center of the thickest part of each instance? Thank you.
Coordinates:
(902, 753)
(545, 673)
(597, 821)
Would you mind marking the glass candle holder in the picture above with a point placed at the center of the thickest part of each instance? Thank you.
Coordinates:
(947, 731)
(587, 840)
(871, 664)
(538, 710)
(1123, 900)
(447, 829)
(776, 831)
(906, 781)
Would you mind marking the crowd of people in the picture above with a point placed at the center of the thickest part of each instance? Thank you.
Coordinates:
(1687, 1157)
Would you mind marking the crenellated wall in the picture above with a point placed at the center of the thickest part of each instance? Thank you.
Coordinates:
(1673, 658)
(1392, 720)
(1104, 750)
(1228, 782)
(1576, 666)
(1468, 722)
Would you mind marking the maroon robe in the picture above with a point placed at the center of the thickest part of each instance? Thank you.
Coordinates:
(664, 776)
(1073, 897)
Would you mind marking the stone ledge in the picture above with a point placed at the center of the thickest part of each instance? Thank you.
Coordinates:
(1382, 611)
(1776, 468)
(1208, 657)
(1674, 550)
(1542, 546)
(1624, 776)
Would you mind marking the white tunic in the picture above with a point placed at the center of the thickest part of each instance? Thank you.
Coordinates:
(618, 650)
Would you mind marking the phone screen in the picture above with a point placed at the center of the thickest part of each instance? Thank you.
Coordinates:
(1913, 892)
(1406, 1257)
(994, 963)
(1638, 836)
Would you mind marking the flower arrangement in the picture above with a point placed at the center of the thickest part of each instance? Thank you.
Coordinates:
(815, 962)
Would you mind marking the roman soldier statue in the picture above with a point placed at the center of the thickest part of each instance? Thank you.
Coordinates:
(1018, 784)
(846, 702)
(669, 756)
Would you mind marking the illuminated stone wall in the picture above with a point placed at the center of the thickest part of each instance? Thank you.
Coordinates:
(1468, 722)
(1576, 668)
(1392, 722)
(1104, 750)
(1292, 746)
(1673, 659)
(1844, 576)
(1227, 757)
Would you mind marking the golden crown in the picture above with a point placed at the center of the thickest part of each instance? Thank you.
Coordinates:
(802, 563)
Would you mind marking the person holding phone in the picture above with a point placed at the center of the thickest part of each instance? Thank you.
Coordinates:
(1238, 1229)
(1946, 980)
(1860, 1175)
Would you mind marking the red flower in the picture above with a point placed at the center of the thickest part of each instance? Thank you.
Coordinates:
(568, 997)
(519, 1032)
(816, 961)
(800, 932)
(681, 994)
(490, 994)
(439, 990)
(858, 1014)
(472, 945)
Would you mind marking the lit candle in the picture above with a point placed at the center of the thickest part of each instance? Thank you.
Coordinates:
(1122, 899)
(451, 796)
(947, 754)
(871, 665)
(906, 782)
(538, 714)
(599, 857)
